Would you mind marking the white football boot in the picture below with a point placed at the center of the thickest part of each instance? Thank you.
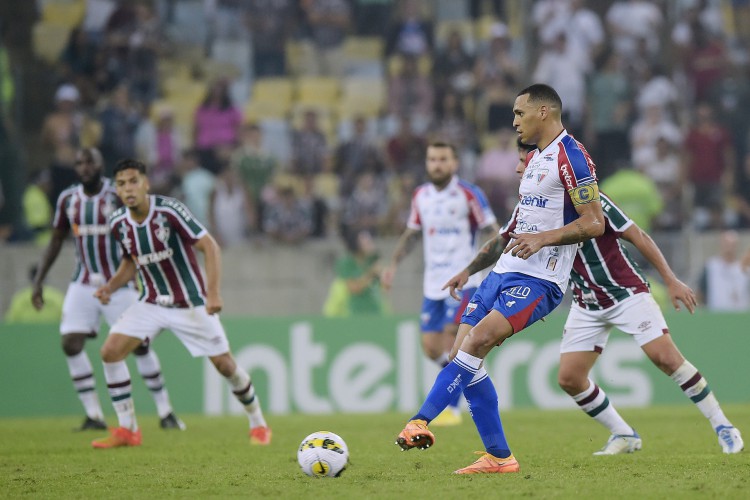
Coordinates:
(730, 439)
(618, 444)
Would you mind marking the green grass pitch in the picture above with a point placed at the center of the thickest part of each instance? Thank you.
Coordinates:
(681, 458)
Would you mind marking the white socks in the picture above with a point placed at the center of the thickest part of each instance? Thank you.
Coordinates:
(119, 387)
(82, 375)
(243, 390)
(595, 403)
(696, 388)
(150, 369)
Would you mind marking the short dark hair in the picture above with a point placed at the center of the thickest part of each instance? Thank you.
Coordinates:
(127, 164)
(443, 144)
(523, 146)
(544, 93)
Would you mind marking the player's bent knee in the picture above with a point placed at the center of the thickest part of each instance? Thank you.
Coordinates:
(571, 382)
(73, 344)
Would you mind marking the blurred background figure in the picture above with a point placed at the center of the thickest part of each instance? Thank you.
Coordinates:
(21, 309)
(724, 285)
(359, 269)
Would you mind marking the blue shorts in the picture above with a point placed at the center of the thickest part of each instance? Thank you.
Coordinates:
(436, 314)
(521, 299)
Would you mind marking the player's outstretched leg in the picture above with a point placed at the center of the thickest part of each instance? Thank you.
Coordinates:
(149, 367)
(82, 375)
(244, 391)
(454, 377)
(483, 406)
(696, 388)
(118, 384)
(452, 414)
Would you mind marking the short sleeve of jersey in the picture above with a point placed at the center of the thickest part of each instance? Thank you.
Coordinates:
(183, 221)
(577, 172)
(510, 225)
(614, 214)
(480, 207)
(60, 220)
(414, 221)
(119, 231)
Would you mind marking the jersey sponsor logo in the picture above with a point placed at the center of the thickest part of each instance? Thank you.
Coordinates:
(444, 231)
(567, 176)
(510, 303)
(162, 228)
(534, 201)
(90, 229)
(151, 258)
(584, 194)
(526, 227)
(518, 292)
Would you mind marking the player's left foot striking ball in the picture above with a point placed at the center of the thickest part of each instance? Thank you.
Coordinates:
(91, 424)
(119, 436)
(490, 464)
(447, 418)
(415, 435)
(617, 444)
(260, 436)
(730, 439)
(171, 421)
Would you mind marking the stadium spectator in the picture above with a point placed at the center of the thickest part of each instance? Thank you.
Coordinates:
(231, 214)
(633, 21)
(583, 27)
(412, 93)
(411, 35)
(119, 119)
(452, 69)
(160, 144)
(356, 155)
(37, 210)
(329, 22)
(372, 17)
(706, 62)
(196, 185)
(451, 125)
(636, 193)
(271, 24)
(63, 130)
(144, 45)
(309, 146)
(254, 166)
(610, 96)
(710, 163)
(405, 149)
(495, 173)
(652, 123)
(366, 206)
(286, 219)
(359, 270)
(217, 123)
(724, 285)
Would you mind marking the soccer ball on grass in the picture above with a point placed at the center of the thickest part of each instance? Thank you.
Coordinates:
(323, 454)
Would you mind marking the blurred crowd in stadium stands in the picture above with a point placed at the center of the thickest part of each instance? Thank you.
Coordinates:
(287, 120)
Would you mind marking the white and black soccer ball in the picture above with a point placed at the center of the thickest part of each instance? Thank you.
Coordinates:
(323, 454)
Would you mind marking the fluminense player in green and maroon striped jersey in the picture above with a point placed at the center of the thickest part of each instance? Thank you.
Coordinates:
(158, 237)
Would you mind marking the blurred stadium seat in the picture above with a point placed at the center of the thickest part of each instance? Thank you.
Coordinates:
(318, 90)
(67, 13)
(49, 40)
(362, 96)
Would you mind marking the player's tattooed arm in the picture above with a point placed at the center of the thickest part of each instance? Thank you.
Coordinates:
(488, 254)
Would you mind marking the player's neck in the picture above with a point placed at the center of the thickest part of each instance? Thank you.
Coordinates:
(547, 136)
(139, 212)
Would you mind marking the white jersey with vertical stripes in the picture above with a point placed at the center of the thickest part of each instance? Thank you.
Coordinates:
(162, 248)
(86, 217)
(449, 220)
(554, 182)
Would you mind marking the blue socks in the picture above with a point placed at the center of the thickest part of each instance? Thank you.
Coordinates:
(449, 384)
(482, 398)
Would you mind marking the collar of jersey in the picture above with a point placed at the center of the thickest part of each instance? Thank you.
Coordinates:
(554, 143)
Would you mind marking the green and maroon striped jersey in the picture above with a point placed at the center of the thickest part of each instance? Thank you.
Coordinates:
(603, 273)
(97, 257)
(162, 248)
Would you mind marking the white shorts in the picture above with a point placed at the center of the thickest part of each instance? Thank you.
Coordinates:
(82, 312)
(639, 316)
(201, 333)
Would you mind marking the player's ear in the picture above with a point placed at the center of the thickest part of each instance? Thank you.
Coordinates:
(543, 111)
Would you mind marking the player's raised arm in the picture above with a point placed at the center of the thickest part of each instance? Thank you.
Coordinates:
(678, 291)
(210, 249)
(404, 245)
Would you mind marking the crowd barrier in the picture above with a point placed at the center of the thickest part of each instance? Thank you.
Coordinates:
(318, 365)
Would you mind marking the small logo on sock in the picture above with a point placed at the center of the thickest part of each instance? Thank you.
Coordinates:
(455, 384)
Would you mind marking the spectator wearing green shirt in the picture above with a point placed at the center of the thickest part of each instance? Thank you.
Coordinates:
(36, 207)
(360, 271)
(636, 194)
(21, 309)
(255, 166)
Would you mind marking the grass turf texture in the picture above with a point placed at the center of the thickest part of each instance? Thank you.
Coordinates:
(681, 458)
